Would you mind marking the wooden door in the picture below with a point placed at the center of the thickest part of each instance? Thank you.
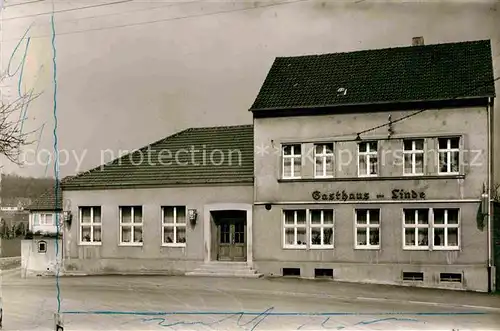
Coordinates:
(232, 240)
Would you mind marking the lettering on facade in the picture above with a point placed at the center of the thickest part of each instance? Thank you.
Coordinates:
(407, 195)
(340, 196)
(396, 194)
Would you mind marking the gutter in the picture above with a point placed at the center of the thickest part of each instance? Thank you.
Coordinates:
(489, 192)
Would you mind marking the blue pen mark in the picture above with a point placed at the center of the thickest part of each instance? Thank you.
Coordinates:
(240, 315)
(387, 319)
(165, 313)
(56, 161)
(14, 53)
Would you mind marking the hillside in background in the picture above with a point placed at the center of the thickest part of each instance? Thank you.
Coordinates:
(16, 188)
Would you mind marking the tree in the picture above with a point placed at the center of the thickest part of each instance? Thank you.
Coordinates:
(12, 138)
(4, 230)
(20, 229)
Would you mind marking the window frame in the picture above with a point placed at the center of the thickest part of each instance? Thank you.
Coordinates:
(322, 226)
(416, 227)
(174, 225)
(294, 226)
(448, 150)
(92, 225)
(447, 226)
(368, 225)
(292, 158)
(414, 152)
(367, 155)
(324, 155)
(132, 225)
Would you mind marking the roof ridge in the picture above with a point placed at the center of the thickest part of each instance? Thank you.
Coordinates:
(222, 127)
(123, 156)
(384, 49)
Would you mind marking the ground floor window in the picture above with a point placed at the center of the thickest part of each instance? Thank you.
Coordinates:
(434, 228)
(131, 225)
(305, 228)
(367, 228)
(174, 225)
(90, 225)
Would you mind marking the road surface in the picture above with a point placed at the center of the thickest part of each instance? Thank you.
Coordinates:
(191, 303)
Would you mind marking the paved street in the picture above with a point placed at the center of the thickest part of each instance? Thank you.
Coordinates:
(190, 303)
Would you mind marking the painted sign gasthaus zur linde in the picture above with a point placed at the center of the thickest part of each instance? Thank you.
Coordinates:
(396, 194)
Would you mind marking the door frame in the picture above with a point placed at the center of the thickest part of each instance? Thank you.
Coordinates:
(207, 220)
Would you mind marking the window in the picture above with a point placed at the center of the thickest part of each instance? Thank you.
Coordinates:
(295, 228)
(42, 246)
(321, 228)
(367, 228)
(416, 228)
(90, 225)
(413, 152)
(292, 161)
(420, 225)
(449, 153)
(367, 159)
(323, 156)
(174, 226)
(131, 225)
(446, 226)
(43, 219)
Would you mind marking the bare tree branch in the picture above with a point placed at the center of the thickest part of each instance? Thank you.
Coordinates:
(12, 137)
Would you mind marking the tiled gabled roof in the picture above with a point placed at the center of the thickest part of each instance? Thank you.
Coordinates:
(47, 201)
(231, 148)
(403, 74)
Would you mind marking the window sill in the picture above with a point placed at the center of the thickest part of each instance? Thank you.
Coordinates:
(174, 245)
(364, 248)
(321, 247)
(371, 178)
(301, 247)
(90, 244)
(417, 248)
(131, 244)
(446, 248)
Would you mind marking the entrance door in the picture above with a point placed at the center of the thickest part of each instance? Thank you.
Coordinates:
(232, 240)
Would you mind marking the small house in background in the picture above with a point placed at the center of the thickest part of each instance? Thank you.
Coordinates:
(44, 211)
(42, 246)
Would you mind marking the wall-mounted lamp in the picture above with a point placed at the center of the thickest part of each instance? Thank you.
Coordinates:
(67, 217)
(192, 215)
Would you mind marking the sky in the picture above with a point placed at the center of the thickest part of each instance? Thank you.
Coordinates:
(129, 73)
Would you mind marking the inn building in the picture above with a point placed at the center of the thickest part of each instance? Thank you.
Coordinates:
(367, 166)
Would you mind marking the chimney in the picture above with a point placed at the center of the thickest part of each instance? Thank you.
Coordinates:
(417, 41)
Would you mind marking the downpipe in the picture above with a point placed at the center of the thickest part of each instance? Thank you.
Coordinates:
(489, 198)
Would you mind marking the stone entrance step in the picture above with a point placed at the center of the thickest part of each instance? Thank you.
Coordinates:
(225, 269)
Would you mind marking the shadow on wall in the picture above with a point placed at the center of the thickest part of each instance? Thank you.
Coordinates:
(10, 247)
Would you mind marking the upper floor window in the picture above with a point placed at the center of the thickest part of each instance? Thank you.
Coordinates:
(323, 157)
(368, 158)
(449, 155)
(90, 225)
(292, 160)
(43, 219)
(131, 225)
(413, 152)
